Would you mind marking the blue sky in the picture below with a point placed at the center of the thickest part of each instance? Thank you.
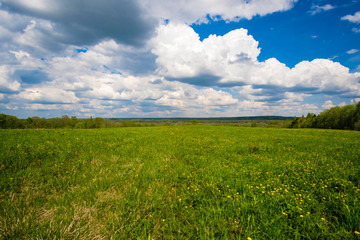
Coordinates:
(186, 58)
(300, 33)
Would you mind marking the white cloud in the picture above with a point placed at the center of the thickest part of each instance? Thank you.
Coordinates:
(210, 96)
(185, 97)
(47, 95)
(291, 97)
(181, 54)
(356, 30)
(352, 51)
(192, 11)
(6, 84)
(342, 104)
(315, 9)
(37, 106)
(325, 76)
(352, 18)
(355, 100)
(328, 104)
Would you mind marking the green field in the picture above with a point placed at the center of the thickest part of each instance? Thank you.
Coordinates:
(180, 182)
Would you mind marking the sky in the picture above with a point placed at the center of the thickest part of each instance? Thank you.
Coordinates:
(184, 58)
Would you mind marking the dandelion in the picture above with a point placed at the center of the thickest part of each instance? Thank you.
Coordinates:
(323, 219)
(284, 213)
(356, 232)
(301, 216)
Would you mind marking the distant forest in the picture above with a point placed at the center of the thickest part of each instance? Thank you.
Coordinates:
(346, 117)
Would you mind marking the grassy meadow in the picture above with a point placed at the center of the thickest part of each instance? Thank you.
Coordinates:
(180, 182)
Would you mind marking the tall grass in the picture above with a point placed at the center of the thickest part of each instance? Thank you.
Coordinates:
(179, 182)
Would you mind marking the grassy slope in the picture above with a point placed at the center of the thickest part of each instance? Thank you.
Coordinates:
(179, 182)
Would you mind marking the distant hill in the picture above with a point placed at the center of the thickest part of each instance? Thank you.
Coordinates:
(249, 118)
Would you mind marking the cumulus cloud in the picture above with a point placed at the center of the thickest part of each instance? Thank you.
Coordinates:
(90, 82)
(325, 76)
(231, 60)
(181, 54)
(352, 18)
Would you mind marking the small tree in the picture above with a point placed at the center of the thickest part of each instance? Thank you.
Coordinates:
(29, 123)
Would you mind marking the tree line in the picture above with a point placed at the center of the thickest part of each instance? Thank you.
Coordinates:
(346, 117)
(9, 122)
(12, 122)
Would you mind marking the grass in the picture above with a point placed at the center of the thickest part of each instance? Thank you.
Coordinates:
(180, 182)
